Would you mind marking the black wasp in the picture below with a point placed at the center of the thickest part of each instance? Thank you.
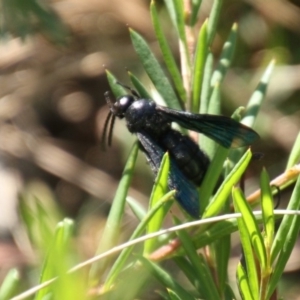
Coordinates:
(152, 125)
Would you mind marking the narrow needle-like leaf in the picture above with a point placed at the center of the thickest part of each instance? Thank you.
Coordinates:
(167, 53)
(154, 70)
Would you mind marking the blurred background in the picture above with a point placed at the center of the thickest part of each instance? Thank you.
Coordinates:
(53, 56)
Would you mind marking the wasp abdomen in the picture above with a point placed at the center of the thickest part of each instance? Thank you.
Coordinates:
(190, 159)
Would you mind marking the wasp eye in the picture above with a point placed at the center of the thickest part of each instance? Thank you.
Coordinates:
(126, 101)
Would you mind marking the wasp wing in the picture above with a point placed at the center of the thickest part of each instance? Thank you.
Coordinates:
(224, 130)
(186, 191)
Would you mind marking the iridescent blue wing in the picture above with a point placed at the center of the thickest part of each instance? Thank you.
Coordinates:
(186, 191)
(223, 130)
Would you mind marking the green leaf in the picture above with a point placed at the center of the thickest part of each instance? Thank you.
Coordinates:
(208, 288)
(254, 105)
(213, 20)
(229, 294)
(117, 89)
(252, 227)
(257, 97)
(180, 25)
(121, 260)
(134, 280)
(173, 295)
(159, 189)
(188, 269)
(248, 241)
(199, 64)
(206, 87)
(285, 240)
(267, 204)
(169, 59)
(294, 156)
(163, 295)
(56, 263)
(171, 10)
(208, 145)
(112, 227)
(10, 284)
(165, 279)
(195, 9)
(217, 203)
(226, 57)
(214, 106)
(216, 231)
(222, 248)
(154, 70)
(212, 176)
(40, 217)
(243, 283)
(136, 207)
(140, 88)
(286, 223)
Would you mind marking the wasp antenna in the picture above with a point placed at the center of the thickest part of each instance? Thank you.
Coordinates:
(104, 133)
(123, 85)
(111, 128)
(108, 99)
(133, 92)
